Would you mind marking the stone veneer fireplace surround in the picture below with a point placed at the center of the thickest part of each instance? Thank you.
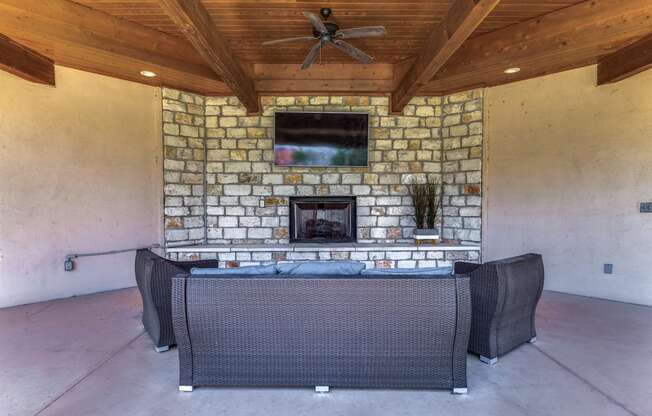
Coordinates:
(222, 187)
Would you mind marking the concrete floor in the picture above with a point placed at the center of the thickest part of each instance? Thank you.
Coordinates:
(89, 356)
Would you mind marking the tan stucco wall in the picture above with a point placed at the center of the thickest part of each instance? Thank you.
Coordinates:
(566, 165)
(80, 171)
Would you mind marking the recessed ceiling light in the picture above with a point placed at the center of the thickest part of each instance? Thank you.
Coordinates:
(512, 70)
(148, 74)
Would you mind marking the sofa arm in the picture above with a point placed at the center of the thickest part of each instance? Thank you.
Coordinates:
(161, 289)
(181, 333)
(462, 332)
(522, 282)
(200, 264)
(161, 282)
(504, 298)
(150, 318)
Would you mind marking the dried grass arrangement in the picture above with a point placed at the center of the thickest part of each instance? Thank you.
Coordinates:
(426, 199)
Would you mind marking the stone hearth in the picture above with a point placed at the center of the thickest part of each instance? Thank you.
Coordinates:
(399, 255)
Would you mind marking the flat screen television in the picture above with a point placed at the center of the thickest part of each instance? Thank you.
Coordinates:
(321, 139)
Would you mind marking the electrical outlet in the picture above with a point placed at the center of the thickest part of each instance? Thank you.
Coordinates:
(646, 207)
(68, 265)
(608, 268)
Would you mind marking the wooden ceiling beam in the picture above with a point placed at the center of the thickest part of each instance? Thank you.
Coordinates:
(626, 62)
(323, 79)
(25, 63)
(79, 37)
(567, 38)
(196, 24)
(462, 19)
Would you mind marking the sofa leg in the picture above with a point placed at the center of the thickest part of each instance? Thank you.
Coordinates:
(322, 389)
(490, 361)
(532, 340)
(162, 349)
(186, 388)
(460, 390)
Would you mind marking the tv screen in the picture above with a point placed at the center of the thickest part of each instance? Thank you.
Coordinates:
(321, 139)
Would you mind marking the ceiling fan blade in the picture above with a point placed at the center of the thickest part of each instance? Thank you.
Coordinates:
(361, 32)
(273, 42)
(353, 51)
(312, 55)
(316, 22)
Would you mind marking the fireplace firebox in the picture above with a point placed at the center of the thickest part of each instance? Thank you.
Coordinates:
(322, 219)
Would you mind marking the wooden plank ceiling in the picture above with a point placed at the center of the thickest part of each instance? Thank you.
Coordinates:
(122, 37)
(246, 24)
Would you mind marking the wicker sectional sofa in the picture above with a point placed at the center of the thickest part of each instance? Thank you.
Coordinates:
(347, 331)
(349, 328)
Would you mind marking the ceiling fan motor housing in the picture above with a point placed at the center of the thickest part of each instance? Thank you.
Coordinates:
(330, 26)
(325, 12)
(328, 33)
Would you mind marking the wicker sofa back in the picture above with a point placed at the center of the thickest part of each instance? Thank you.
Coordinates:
(348, 331)
(154, 279)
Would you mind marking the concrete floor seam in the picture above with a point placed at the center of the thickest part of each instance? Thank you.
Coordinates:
(43, 309)
(601, 299)
(585, 381)
(93, 370)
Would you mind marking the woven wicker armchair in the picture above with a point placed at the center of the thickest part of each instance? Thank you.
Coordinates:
(345, 331)
(154, 278)
(504, 295)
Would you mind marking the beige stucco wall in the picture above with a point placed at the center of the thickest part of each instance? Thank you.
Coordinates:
(566, 165)
(80, 170)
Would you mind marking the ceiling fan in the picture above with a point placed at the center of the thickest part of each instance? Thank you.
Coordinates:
(330, 33)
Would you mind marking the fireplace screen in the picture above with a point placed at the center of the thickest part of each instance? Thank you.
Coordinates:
(322, 219)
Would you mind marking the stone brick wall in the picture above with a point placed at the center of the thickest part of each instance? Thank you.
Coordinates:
(461, 131)
(184, 147)
(246, 196)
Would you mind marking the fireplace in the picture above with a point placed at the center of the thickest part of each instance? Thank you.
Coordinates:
(324, 219)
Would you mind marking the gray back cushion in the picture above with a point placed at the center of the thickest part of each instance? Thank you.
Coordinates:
(426, 271)
(247, 270)
(321, 268)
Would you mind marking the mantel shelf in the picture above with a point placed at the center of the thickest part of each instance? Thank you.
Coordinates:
(224, 248)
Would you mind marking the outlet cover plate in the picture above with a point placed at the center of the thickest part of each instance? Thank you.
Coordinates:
(608, 268)
(646, 207)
